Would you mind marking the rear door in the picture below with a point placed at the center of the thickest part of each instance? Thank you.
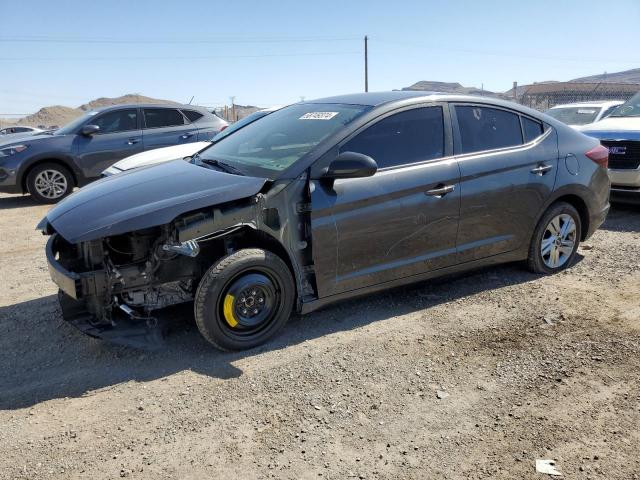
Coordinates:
(508, 165)
(400, 222)
(164, 127)
(119, 136)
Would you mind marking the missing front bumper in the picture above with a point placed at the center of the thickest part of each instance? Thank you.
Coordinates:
(122, 330)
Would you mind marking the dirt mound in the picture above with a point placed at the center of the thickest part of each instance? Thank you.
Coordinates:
(50, 116)
(128, 98)
(58, 115)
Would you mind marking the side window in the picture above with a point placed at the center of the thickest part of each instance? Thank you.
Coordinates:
(609, 111)
(162, 117)
(117, 121)
(407, 137)
(192, 115)
(531, 129)
(485, 128)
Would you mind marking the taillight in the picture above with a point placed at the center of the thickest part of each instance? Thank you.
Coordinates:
(600, 155)
(223, 127)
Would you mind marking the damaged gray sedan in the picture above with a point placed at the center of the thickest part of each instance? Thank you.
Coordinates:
(322, 201)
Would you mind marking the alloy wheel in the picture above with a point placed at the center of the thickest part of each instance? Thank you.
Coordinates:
(558, 241)
(51, 184)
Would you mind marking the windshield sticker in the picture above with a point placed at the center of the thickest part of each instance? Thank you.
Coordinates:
(318, 115)
(588, 112)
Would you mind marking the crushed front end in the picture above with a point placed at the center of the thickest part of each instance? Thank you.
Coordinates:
(110, 287)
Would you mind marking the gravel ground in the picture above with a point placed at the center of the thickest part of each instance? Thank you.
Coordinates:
(475, 376)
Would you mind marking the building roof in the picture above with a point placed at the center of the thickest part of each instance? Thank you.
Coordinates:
(581, 88)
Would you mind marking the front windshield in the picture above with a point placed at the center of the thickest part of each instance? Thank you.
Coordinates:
(574, 115)
(277, 141)
(240, 123)
(630, 108)
(72, 126)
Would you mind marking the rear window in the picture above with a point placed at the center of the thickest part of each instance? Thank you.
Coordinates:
(574, 115)
(192, 115)
(531, 129)
(483, 128)
(162, 117)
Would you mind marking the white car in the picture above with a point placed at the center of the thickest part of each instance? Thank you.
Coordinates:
(576, 114)
(166, 154)
(18, 131)
(159, 155)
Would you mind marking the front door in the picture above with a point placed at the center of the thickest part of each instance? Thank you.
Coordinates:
(508, 165)
(400, 222)
(119, 137)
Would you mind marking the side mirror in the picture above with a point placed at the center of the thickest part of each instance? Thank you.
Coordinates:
(351, 165)
(89, 130)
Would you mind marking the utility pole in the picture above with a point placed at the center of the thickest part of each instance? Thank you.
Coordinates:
(234, 117)
(515, 92)
(366, 64)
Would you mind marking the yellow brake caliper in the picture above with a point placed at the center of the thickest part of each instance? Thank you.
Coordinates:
(228, 310)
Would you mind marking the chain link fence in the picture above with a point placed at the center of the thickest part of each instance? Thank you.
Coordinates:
(543, 96)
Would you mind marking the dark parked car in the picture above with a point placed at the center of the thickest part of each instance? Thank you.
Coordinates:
(49, 165)
(322, 201)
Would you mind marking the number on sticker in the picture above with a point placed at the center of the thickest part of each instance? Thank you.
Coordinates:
(318, 116)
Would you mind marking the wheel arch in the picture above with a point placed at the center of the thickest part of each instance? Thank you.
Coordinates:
(251, 237)
(578, 201)
(56, 160)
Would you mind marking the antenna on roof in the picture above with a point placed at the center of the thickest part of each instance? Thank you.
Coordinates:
(192, 97)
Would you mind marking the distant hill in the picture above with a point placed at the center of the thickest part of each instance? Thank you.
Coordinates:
(628, 76)
(58, 115)
(129, 98)
(49, 116)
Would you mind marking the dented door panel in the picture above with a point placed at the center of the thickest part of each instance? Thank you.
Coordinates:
(368, 231)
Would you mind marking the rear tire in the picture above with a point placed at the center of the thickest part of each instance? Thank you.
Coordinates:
(49, 182)
(555, 239)
(244, 299)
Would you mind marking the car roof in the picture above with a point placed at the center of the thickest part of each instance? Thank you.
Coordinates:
(603, 103)
(376, 99)
(388, 100)
(150, 105)
(372, 99)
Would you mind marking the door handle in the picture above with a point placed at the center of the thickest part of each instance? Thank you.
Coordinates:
(440, 191)
(541, 169)
(187, 135)
(132, 141)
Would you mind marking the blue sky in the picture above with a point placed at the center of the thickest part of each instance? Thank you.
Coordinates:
(274, 52)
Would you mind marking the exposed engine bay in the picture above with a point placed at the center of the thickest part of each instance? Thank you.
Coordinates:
(127, 277)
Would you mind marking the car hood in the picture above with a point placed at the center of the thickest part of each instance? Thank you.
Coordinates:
(614, 128)
(145, 197)
(159, 155)
(22, 138)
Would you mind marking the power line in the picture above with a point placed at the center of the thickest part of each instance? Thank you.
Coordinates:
(205, 57)
(203, 40)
